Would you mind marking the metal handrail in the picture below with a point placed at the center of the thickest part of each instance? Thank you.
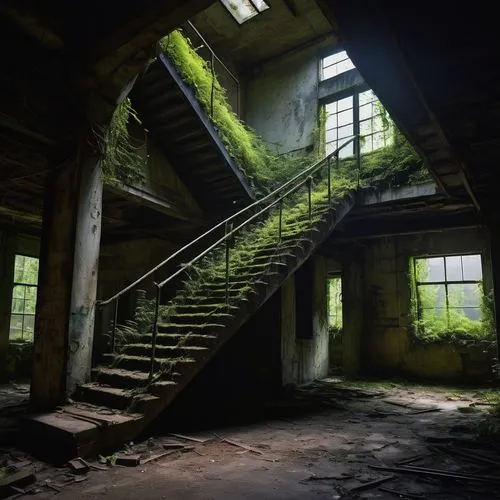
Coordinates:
(215, 57)
(277, 196)
(309, 171)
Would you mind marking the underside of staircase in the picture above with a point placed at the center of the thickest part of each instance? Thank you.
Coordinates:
(122, 401)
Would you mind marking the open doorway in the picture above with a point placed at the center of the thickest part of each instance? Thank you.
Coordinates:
(335, 321)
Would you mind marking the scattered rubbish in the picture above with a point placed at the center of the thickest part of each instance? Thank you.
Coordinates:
(79, 479)
(78, 466)
(371, 484)
(128, 460)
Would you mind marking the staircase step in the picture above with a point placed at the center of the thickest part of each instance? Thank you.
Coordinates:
(120, 378)
(173, 339)
(112, 397)
(188, 328)
(163, 351)
(197, 318)
(143, 363)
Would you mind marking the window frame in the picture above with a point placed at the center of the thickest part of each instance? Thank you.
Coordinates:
(24, 314)
(417, 284)
(354, 90)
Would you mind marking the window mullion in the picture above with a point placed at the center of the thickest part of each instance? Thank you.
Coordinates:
(355, 113)
(446, 293)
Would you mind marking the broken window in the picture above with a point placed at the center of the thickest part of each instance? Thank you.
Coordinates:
(22, 318)
(335, 305)
(449, 296)
(335, 64)
(243, 10)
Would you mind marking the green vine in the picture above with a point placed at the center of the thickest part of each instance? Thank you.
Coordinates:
(121, 159)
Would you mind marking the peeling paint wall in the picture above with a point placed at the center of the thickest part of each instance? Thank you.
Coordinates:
(282, 100)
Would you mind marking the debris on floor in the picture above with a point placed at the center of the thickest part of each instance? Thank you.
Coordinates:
(365, 443)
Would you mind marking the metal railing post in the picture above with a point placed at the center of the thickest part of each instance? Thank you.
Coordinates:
(154, 332)
(280, 223)
(357, 145)
(113, 331)
(309, 195)
(228, 230)
(329, 181)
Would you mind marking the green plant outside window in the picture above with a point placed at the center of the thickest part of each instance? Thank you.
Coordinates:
(335, 305)
(22, 318)
(450, 303)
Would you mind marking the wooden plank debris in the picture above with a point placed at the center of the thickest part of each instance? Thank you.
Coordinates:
(128, 460)
(437, 473)
(371, 484)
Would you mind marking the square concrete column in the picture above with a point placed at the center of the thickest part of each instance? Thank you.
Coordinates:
(353, 312)
(69, 254)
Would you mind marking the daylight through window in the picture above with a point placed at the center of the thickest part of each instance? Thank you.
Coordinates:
(335, 64)
(22, 318)
(449, 294)
(243, 10)
(335, 304)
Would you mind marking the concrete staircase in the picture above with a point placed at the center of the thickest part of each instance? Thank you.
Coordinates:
(122, 400)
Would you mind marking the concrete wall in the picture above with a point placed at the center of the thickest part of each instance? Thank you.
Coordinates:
(282, 100)
(383, 343)
(303, 360)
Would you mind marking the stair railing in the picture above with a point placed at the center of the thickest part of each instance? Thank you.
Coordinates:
(252, 213)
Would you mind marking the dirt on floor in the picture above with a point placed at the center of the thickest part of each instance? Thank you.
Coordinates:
(330, 439)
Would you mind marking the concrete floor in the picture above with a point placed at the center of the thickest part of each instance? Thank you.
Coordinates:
(339, 436)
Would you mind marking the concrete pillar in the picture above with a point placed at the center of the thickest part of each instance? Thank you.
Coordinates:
(289, 362)
(67, 282)
(320, 317)
(352, 304)
(85, 267)
(7, 260)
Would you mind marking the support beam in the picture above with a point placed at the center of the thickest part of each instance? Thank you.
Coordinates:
(67, 282)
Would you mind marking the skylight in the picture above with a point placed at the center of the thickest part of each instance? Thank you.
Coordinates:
(243, 10)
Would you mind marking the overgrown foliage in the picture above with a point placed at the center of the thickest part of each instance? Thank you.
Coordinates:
(264, 169)
(121, 158)
(434, 321)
